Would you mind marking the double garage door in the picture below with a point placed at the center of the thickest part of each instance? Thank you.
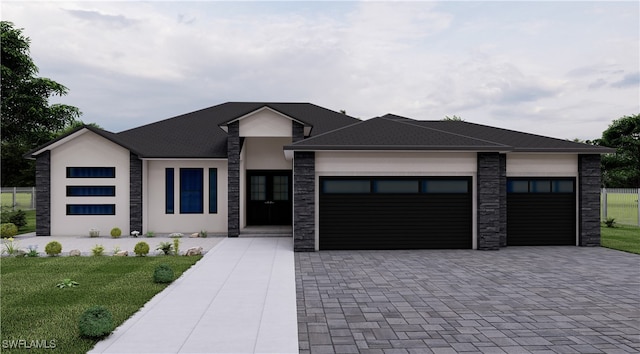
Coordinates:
(395, 213)
(436, 213)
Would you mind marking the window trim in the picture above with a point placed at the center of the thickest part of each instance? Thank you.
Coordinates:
(69, 208)
(182, 191)
(213, 190)
(111, 194)
(169, 191)
(70, 170)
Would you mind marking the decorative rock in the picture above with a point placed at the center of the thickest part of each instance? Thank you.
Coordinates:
(193, 251)
(122, 254)
(20, 253)
(75, 253)
(194, 235)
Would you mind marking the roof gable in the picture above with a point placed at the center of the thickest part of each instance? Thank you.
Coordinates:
(61, 140)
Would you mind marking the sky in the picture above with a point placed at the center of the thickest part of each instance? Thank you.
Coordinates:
(563, 69)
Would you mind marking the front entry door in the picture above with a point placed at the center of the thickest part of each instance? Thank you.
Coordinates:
(269, 197)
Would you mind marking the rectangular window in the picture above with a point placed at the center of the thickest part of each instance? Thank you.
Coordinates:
(91, 209)
(91, 191)
(258, 188)
(91, 172)
(540, 186)
(191, 191)
(280, 187)
(408, 186)
(445, 186)
(169, 194)
(346, 186)
(213, 190)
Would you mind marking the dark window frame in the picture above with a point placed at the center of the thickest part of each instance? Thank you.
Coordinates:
(70, 209)
(169, 190)
(111, 193)
(74, 172)
(191, 208)
(532, 181)
(421, 180)
(213, 190)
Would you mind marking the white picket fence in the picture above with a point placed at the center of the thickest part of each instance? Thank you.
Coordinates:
(621, 204)
(19, 197)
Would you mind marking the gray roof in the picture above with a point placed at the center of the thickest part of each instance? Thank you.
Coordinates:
(392, 132)
(199, 134)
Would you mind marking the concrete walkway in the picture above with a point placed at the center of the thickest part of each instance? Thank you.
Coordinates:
(240, 298)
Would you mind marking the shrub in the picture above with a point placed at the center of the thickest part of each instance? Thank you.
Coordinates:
(116, 232)
(150, 234)
(203, 233)
(53, 248)
(165, 247)
(163, 274)
(98, 250)
(8, 230)
(16, 217)
(141, 249)
(610, 222)
(95, 322)
(176, 246)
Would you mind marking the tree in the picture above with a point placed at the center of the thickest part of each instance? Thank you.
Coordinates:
(453, 118)
(622, 169)
(28, 120)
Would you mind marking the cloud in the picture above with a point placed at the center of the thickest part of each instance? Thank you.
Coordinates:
(629, 80)
(98, 18)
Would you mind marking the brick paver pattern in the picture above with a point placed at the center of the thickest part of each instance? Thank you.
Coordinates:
(516, 300)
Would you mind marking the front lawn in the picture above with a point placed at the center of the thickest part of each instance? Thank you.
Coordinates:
(621, 237)
(34, 309)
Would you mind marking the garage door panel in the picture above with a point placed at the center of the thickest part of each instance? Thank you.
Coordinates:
(538, 219)
(395, 221)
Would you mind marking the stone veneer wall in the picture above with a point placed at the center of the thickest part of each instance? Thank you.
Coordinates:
(233, 161)
(304, 201)
(503, 200)
(43, 194)
(589, 181)
(135, 193)
(297, 131)
(488, 201)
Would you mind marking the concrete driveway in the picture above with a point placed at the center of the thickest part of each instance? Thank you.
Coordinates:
(516, 300)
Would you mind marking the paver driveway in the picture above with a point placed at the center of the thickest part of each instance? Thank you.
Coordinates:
(516, 300)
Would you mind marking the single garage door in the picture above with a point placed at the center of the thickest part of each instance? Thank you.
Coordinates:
(541, 211)
(395, 213)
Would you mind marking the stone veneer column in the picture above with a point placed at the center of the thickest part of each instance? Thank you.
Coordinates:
(488, 201)
(233, 165)
(503, 200)
(589, 181)
(304, 201)
(43, 194)
(135, 193)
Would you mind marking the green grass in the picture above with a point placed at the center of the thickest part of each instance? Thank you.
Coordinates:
(623, 207)
(23, 200)
(621, 237)
(34, 309)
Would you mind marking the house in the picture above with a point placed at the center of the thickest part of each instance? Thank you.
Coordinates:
(388, 182)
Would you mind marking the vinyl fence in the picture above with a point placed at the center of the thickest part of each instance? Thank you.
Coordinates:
(621, 204)
(19, 198)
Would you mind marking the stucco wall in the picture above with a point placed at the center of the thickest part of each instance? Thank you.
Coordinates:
(545, 165)
(88, 150)
(266, 153)
(265, 123)
(158, 221)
